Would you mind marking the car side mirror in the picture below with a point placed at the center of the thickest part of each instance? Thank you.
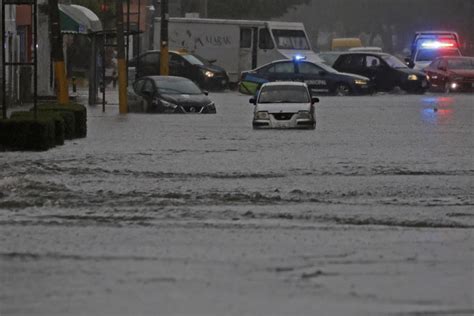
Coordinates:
(442, 68)
(211, 61)
(253, 101)
(314, 100)
(205, 92)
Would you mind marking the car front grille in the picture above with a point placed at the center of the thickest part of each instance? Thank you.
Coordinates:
(283, 116)
(192, 109)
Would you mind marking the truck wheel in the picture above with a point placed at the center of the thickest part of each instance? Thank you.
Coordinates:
(342, 89)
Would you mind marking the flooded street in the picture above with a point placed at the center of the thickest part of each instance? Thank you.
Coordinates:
(369, 214)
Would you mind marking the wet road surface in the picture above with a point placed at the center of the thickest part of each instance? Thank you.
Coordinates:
(369, 214)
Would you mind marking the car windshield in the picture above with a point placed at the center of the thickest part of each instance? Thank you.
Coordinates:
(177, 87)
(465, 63)
(432, 54)
(290, 39)
(329, 58)
(394, 62)
(284, 94)
(192, 59)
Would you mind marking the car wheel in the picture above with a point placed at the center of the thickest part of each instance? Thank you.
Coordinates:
(342, 89)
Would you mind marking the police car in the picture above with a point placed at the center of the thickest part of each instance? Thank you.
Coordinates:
(319, 77)
(429, 45)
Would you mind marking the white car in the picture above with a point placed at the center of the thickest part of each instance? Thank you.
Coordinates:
(284, 104)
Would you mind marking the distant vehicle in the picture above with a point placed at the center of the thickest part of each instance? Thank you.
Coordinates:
(319, 77)
(182, 64)
(450, 74)
(366, 49)
(284, 105)
(344, 44)
(385, 71)
(237, 45)
(168, 94)
(429, 45)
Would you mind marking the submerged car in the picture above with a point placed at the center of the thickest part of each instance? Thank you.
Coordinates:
(284, 105)
(167, 94)
(385, 71)
(319, 77)
(452, 74)
(183, 64)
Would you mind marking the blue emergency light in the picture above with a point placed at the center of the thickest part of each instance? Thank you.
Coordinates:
(437, 44)
(299, 57)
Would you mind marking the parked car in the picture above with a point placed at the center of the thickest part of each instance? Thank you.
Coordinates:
(168, 94)
(319, 77)
(451, 74)
(182, 64)
(284, 105)
(384, 70)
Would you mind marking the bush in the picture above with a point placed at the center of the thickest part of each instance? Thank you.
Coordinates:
(55, 116)
(78, 110)
(27, 133)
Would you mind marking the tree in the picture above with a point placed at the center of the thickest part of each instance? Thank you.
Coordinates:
(243, 9)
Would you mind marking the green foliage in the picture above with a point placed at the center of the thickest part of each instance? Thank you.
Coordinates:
(56, 117)
(79, 112)
(27, 134)
(243, 9)
(93, 5)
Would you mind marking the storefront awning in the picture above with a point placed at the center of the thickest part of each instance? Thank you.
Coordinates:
(76, 19)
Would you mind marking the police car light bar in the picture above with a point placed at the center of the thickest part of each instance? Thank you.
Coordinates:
(299, 57)
(437, 44)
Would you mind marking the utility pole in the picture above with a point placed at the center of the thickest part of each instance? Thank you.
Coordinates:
(57, 54)
(164, 49)
(122, 66)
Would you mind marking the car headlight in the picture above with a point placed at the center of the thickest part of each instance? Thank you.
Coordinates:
(262, 115)
(167, 104)
(412, 77)
(360, 82)
(208, 73)
(304, 115)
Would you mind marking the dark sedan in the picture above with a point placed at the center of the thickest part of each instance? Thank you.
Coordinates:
(167, 94)
(320, 78)
(183, 64)
(386, 71)
(450, 74)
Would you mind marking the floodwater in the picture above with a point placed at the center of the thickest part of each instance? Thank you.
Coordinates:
(371, 213)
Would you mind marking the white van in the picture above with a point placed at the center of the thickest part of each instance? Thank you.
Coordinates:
(237, 45)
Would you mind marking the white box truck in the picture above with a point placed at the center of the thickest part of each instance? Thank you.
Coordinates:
(237, 45)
